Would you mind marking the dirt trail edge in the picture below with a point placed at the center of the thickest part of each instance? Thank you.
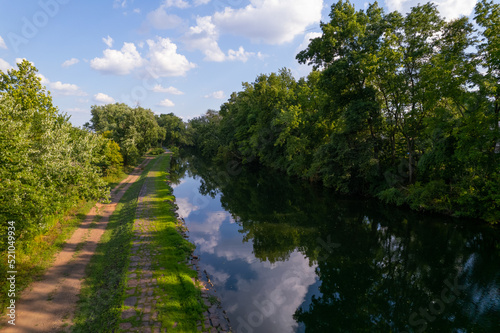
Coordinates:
(49, 305)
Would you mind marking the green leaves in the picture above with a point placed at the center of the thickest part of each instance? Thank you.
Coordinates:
(134, 129)
(46, 165)
(403, 107)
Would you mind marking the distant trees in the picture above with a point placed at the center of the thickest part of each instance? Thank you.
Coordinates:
(137, 129)
(403, 107)
(175, 130)
(134, 129)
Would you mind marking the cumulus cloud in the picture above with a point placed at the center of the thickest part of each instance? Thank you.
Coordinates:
(216, 94)
(201, 2)
(164, 59)
(70, 62)
(4, 66)
(204, 37)
(240, 55)
(166, 103)
(103, 98)
(259, 22)
(449, 9)
(66, 89)
(118, 62)
(160, 19)
(161, 60)
(108, 41)
(59, 88)
(2, 43)
(168, 90)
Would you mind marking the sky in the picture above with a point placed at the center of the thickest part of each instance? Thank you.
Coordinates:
(180, 56)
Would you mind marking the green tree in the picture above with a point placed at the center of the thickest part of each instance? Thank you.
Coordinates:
(134, 129)
(46, 165)
(175, 129)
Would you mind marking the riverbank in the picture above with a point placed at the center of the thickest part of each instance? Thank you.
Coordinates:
(141, 275)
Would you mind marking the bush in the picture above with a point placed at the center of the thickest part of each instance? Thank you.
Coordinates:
(156, 151)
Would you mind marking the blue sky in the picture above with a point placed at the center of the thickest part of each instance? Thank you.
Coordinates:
(180, 56)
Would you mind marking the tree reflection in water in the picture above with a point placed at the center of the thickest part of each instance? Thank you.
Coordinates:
(390, 269)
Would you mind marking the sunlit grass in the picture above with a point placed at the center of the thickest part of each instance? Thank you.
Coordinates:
(103, 292)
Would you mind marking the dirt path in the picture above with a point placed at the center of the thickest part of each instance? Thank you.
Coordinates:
(49, 305)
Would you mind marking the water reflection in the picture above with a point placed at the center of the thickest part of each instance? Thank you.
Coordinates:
(286, 256)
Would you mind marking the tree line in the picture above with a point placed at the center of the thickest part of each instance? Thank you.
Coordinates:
(401, 107)
(48, 166)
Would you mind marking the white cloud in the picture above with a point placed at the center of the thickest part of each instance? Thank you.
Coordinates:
(4, 66)
(66, 89)
(164, 59)
(176, 3)
(240, 55)
(204, 37)
(118, 62)
(160, 19)
(59, 88)
(70, 62)
(216, 94)
(169, 90)
(2, 43)
(137, 10)
(209, 230)
(452, 9)
(108, 41)
(166, 103)
(185, 207)
(103, 98)
(259, 20)
(449, 9)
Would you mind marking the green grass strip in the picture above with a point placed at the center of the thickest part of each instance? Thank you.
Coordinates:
(103, 292)
(180, 308)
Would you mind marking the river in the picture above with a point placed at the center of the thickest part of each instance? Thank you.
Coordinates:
(288, 256)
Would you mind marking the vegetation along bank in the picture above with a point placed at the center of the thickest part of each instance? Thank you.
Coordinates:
(405, 108)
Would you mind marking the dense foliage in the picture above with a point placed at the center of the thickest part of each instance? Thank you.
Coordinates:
(405, 108)
(137, 129)
(134, 129)
(46, 164)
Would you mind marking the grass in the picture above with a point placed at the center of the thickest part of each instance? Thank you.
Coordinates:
(180, 303)
(103, 292)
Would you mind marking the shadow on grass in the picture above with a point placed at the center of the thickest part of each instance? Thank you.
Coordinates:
(102, 295)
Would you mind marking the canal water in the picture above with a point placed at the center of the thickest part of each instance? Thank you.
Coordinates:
(288, 256)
